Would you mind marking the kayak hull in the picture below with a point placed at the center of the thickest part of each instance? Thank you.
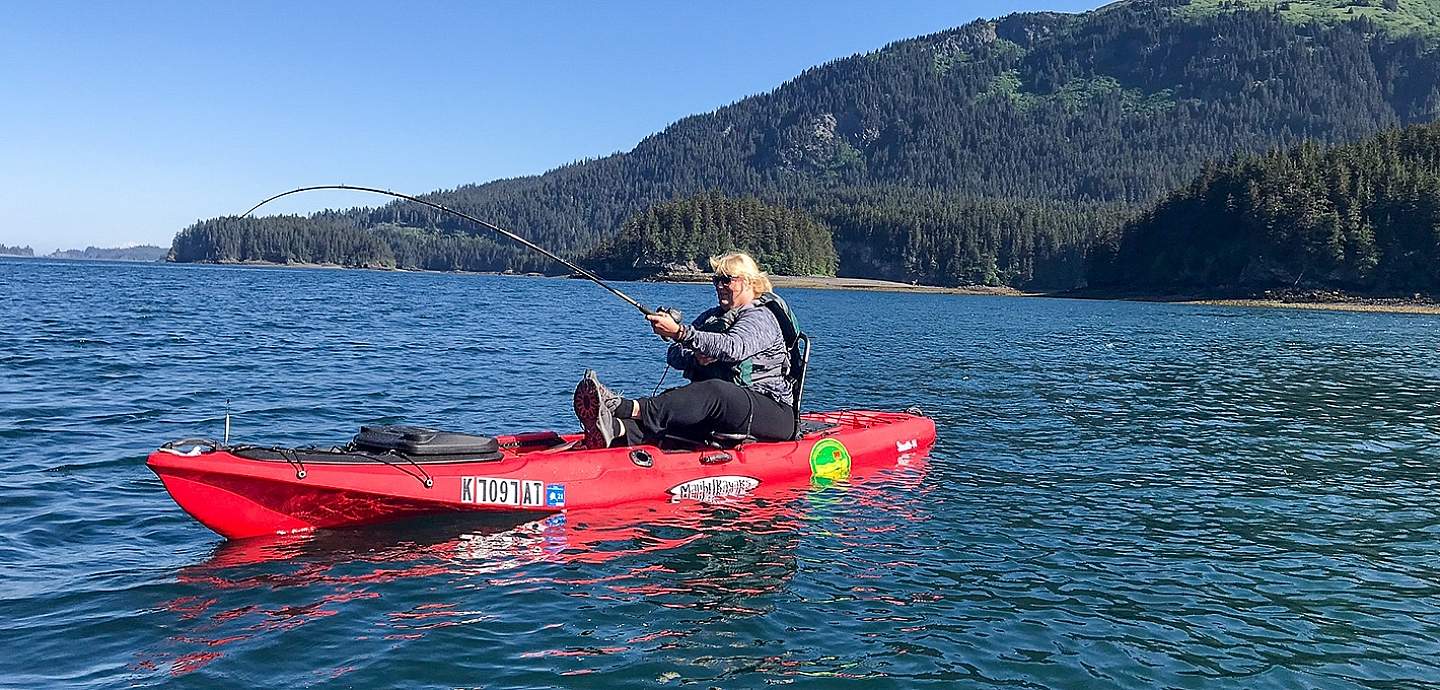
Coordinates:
(292, 492)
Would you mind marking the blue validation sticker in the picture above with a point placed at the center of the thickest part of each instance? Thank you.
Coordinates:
(555, 495)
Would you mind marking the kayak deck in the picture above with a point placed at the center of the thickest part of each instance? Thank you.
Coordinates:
(245, 491)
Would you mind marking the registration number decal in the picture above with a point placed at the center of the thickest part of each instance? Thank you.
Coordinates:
(520, 493)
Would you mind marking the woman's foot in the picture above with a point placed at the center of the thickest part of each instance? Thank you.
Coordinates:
(595, 407)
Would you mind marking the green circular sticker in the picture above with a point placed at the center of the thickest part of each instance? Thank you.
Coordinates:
(829, 461)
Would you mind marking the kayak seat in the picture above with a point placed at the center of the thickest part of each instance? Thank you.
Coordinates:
(723, 440)
(799, 345)
(808, 427)
(676, 442)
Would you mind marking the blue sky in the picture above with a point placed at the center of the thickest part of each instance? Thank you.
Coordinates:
(121, 123)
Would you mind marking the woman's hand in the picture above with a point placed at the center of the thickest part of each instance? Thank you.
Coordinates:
(663, 325)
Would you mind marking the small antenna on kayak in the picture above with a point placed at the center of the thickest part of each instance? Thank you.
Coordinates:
(227, 421)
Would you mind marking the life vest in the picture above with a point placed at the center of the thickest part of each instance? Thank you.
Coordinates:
(743, 372)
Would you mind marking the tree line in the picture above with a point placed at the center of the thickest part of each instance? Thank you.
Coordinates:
(1361, 217)
(337, 240)
(938, 239)
(682, 234)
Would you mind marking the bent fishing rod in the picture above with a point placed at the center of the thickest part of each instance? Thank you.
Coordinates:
(488, 226)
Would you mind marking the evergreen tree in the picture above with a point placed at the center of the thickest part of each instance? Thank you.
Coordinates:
(1361, 217)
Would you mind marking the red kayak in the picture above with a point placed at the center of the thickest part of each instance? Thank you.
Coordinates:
(399, 472)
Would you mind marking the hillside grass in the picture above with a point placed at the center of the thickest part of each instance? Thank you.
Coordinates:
(1078, 94)
(1396, 16)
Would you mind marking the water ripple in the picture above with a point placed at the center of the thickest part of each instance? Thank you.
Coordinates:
(1124, 495)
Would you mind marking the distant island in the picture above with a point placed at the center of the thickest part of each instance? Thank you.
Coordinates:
(16, 251)
(144, 252)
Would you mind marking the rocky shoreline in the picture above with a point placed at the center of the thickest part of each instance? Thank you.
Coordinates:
(1325, 300)
(835, 283)
(1336, 302)
(1316, 299)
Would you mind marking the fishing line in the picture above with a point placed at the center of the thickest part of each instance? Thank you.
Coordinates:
(489, 226)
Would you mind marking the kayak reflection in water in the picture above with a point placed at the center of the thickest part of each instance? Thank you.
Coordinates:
(737, 357)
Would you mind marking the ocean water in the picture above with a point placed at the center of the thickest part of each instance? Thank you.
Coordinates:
(1122, 495)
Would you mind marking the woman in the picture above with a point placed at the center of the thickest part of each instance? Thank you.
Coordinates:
(735, 356)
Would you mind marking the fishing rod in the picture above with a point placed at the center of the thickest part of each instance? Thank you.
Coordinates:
(489, 226)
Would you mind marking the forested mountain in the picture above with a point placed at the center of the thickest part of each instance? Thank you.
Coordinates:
(16, 251)
(1059, 119)
(1360, 217)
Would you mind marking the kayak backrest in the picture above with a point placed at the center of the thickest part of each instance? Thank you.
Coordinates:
(797, 343)
(789, 325)
(790, 329)
(799, 362)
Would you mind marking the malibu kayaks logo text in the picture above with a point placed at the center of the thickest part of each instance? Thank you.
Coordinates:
(711, 488)
(520, 493)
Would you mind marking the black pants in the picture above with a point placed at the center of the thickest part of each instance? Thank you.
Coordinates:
(695, 410)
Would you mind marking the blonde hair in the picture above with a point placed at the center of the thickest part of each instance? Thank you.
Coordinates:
(741, 264)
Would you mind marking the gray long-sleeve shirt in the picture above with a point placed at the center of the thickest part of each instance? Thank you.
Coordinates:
(747, 332)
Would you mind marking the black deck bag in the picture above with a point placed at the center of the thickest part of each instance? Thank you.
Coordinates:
(414, 440)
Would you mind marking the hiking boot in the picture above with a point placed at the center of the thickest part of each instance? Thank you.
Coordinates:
(595, 407)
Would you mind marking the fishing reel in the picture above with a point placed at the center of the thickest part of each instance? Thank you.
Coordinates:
(673, 313)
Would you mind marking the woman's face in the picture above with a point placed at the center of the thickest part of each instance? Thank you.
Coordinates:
(732, 291)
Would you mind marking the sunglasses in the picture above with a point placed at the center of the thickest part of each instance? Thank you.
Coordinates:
(722, 279)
